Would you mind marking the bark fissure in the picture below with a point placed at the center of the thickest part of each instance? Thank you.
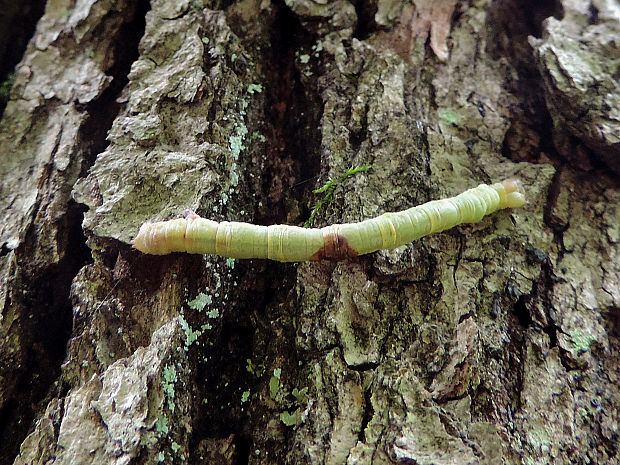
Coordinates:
(102, 111)
(293, 115)
(290, 163)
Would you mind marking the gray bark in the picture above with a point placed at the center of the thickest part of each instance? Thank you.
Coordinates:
(492, 343)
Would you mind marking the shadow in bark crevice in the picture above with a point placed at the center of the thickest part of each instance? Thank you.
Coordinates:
(252, 325)
(530, 132)
(17, 25)
(245, 335)
(293, 114)
(44, 330)
(366, 24)
(103, 110)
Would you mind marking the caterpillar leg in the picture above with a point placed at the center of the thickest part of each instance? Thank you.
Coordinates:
(191, 214)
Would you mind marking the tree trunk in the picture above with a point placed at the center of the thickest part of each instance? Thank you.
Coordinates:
(490, 343)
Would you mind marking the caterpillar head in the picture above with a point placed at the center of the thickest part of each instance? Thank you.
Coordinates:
(513, 193)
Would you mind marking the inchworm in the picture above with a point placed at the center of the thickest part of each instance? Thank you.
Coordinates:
(283, 243)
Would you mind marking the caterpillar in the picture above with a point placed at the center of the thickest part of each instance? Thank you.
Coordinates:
(283, 243)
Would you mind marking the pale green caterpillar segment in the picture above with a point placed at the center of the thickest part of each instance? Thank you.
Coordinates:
(291, 243)
(201, 235)
(277, 242)
(241, 240)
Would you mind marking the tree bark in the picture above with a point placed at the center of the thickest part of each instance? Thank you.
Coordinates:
(491, 343)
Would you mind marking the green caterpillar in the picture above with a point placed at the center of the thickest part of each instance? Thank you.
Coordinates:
(283, 243)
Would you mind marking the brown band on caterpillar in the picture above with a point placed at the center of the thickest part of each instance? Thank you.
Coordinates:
(336, 247)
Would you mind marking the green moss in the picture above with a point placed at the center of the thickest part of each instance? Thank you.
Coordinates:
(585, 415)
(290, 419)
(301, 396)
(5, 88)
(581, 341)
(328, 191)
(274, 387)
(292, 411)
(256, 370)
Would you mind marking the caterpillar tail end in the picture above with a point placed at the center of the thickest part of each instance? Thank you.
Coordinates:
(513, 195)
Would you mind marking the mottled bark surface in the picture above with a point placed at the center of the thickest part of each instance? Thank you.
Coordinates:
(491, 343)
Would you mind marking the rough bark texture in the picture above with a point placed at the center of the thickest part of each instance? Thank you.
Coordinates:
(493, 343)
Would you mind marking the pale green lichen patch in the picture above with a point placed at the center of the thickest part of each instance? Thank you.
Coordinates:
(200, 301)
(191, 335)
(161, 425)
(169, 379)
(449, 117)
(252, 88)
(214, 313)
(235, 140)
